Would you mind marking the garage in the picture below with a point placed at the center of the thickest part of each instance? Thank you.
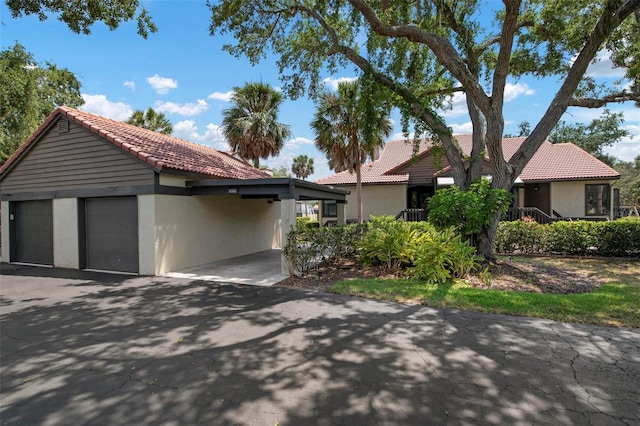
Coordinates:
(32, 233)
(111, 234)
(123, 199)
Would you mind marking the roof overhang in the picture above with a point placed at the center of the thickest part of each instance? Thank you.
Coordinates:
(276, 189)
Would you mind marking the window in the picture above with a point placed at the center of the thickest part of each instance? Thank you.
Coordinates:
(597, 200)
(329, 209)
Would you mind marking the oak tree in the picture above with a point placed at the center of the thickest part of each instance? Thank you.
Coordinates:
(29, 92)
(425, 50)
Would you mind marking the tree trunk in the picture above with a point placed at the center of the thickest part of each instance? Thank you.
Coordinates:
(484, 241)
(359, 191)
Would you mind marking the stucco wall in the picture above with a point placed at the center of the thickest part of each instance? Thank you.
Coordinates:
(191, 231)
(146, 234)
(377, 200)
(567, 198)
(65, 233)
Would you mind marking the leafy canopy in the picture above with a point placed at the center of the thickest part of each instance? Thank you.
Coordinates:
(251, 125)
(29, 92)
(81, 15)
(469, 211)
(302, 166)
(152, 120)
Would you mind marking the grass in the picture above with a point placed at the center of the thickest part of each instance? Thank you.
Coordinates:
(616, 303)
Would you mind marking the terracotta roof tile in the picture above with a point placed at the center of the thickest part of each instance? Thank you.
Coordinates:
(563, 161)
(158, 150)
(393, 154)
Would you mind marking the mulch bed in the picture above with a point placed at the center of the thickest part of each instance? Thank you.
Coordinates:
(505, 274)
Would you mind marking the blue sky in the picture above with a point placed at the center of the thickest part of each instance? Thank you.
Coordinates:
(182, 71)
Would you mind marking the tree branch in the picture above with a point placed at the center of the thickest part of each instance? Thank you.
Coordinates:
(440, 46)
(615, 11)
(622, 96)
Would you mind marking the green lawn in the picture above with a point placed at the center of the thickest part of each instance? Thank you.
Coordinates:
(616, 303)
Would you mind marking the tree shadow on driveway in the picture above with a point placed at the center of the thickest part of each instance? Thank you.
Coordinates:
(99, 349)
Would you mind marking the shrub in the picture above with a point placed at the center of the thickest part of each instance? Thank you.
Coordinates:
(617, 238)
(389, 242)
(429, 255)
(309, 245)
(444, 255)
(469, 211)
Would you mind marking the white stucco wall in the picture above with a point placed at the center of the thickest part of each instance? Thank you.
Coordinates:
(377, 200)
(173, 180)
(65, 233)
(191, 231)
(567, 198)
(146, 234)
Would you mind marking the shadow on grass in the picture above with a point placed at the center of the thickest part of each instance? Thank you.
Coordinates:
(85, 349)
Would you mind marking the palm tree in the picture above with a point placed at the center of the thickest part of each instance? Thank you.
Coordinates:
(152, 120)
(302, 167)
(349, 126)
(251, 125)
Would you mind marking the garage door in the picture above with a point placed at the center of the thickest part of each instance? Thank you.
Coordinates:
(32, 226)
(111, 234)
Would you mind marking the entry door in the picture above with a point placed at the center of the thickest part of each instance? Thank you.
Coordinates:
(32, 236)
(112, 234)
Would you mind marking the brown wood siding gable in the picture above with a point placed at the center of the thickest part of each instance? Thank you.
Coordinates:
(421, 172)
(77, 159)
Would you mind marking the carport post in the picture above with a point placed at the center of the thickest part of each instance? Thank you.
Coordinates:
(342, 213)
(287, 220)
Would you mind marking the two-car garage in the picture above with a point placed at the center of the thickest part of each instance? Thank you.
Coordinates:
(108, 233)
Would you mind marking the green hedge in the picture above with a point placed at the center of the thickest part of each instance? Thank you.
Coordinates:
(619, 238)
(416, 248)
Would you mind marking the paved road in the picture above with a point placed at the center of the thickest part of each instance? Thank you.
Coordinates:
(80, 348)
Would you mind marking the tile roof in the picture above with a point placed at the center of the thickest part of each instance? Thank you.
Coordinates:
(564, 161)
(393, 154)
(159, 151)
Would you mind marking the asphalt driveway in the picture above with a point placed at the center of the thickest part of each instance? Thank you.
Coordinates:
(86, 348)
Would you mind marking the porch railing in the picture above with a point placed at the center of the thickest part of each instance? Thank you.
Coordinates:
(412, 215)
(528, 213)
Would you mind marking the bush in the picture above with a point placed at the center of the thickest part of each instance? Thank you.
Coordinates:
(443, 255)
(617, 238)
(469, 211)
(427, 254)
(309, 245)
(389, 242)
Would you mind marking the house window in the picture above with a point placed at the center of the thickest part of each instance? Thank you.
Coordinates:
(597, 200)
(329, 209)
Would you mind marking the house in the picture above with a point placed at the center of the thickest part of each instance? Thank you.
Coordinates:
(87, 192)
(561, 180)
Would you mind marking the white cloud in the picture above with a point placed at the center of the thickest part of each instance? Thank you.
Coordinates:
(333, 82)
(187, 110)
(162, 85)
(220, 96)
(462, 129)
(100, 105)
(512, 91)
(212, 136)
(295, 143)
(457, 106)
(603, 67)
(629, 147)
(130, 84)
